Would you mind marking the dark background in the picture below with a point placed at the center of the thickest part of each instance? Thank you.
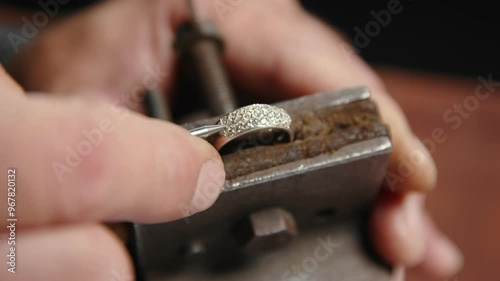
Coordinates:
(458, 37)
(440, 36)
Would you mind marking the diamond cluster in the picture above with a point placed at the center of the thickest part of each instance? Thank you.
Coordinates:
(253, 117)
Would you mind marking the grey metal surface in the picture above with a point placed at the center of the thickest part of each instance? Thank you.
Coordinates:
(319, 192)
(266, 230)
(343, 183)
(333, 253)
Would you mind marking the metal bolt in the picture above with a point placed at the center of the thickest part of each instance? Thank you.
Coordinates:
(266, 230)
(201, 41)
(157, 106)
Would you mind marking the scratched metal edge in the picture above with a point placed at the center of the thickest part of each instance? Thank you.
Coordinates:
(316, 101)
(356, 151)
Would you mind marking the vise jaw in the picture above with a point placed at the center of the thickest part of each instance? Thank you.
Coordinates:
(291, 211)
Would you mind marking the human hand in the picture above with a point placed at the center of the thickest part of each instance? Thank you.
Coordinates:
(75, 162)
(272, 47)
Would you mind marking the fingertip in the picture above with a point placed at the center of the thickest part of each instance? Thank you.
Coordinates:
(450, 258)
(412, 166)
(209, 184)
(198, 171)
(397, 228)
(211, 178)
(425, 177)
(443, 258)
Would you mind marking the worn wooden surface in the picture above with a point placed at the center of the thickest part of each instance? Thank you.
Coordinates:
(466, 203)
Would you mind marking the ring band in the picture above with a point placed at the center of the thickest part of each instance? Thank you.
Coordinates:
(252, 125)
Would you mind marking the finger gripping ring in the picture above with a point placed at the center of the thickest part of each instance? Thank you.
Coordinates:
(257, 124)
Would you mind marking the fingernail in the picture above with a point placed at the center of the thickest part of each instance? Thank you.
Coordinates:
(414, 222)
(208, 187)
(450, 254)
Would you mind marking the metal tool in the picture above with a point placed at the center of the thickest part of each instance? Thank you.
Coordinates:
(277, 206)
(207, 131)
(260, 213)
(201, 41)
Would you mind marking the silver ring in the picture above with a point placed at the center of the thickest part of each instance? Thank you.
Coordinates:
(257, 124)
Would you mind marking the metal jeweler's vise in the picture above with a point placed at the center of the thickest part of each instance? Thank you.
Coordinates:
(287, 211)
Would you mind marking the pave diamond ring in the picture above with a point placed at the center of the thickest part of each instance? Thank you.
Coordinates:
(257, 124)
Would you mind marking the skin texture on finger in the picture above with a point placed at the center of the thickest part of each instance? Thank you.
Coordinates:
(113, 48)
(80, 160)
(75, 252)
(442, 258)
(405, 234)
(397, 227)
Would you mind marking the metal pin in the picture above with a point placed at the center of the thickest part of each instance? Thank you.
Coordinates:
(207, 131)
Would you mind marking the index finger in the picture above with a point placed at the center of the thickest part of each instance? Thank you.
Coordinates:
(71, 160)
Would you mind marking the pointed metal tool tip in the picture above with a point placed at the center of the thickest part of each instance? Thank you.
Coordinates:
(207, 131)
